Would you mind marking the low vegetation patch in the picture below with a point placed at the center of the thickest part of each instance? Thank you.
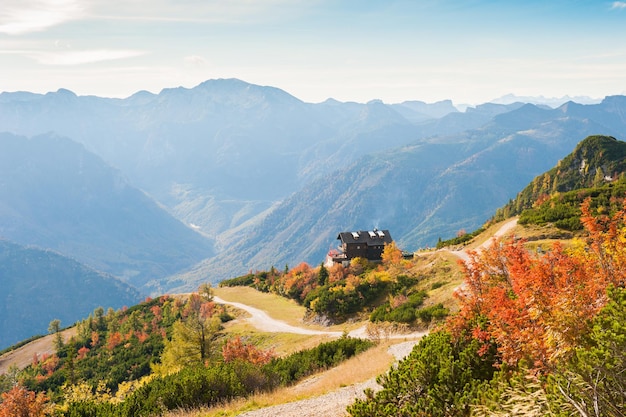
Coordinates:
(205, 386)
(462, 238)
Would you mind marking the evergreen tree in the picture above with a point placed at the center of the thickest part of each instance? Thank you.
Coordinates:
(322, 275)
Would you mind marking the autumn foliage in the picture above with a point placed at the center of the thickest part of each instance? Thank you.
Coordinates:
(537, 308)
(20, 402)
(334, 292)
(236, 349)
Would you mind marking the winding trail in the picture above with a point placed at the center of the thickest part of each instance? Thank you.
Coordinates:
(502, 231)
(333, 403)
(265, 323)
(262, 321)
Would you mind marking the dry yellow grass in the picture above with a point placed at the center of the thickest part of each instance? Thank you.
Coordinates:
(485, 236)
(440, 274)
(277, 307)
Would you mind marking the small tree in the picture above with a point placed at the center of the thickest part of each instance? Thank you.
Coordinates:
(322, 275)
(235, 349)
(206, 291)
(193, 338)
(392, 255)
(598, 178)
(194, 343)
(55, 328)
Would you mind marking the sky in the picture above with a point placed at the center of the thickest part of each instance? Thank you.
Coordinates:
(469, 51)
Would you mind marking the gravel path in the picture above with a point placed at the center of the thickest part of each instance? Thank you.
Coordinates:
(504, 229)
(262, 321)
(334, 403)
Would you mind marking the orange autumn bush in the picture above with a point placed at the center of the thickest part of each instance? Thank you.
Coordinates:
(20, 402)
(537, 308)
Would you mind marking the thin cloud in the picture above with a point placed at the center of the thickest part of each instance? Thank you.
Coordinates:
(19, 17)
(618, 5)
(68, 58)
(24, 16)
(206, 11)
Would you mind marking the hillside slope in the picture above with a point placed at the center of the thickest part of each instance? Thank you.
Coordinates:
(596, 163)
(273, 179)
(39, 286)
(221, 152)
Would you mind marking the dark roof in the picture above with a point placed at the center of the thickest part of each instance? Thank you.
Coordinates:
(370, 237)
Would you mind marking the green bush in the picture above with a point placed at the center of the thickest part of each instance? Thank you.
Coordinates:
(441, 377)
(436, 312)
(242, 281)
(300, 364)
(339, 303)
(405, 313)
(594, 377)
(459, 239)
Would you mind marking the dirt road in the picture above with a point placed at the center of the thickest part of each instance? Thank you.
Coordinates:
(263, 322)
(502, 231)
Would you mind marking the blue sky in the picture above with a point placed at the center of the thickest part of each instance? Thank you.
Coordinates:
(470, 51)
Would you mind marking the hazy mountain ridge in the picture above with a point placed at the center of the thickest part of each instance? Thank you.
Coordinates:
(39, 286)
(222, 141)
(55, 194)
(545, 101)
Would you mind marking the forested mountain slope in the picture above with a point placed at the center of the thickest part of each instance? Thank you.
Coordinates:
(39, 286)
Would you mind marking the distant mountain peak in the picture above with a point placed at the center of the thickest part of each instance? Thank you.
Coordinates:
(332, 101)
(614, 100)
(63, 92)
(552, 102)
(223, 82)
(233, 91)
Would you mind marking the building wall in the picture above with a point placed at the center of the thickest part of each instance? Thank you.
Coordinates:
(353, 250)
(375, 252)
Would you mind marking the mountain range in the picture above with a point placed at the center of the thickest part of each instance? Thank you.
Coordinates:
(210, 182)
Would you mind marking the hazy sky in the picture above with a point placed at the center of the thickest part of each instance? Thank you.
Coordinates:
(469, 51)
